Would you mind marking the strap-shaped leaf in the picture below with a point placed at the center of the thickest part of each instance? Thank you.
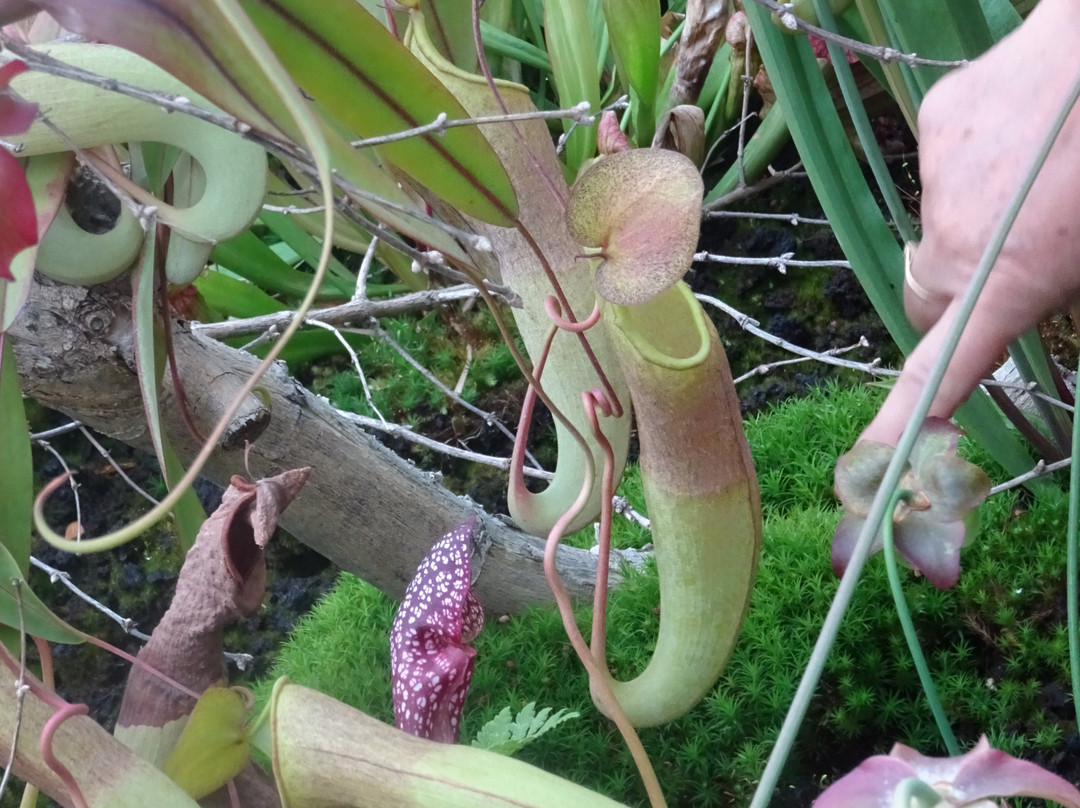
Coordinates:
(17, 479)
(634, 26)
(361, 75)
(573, 63)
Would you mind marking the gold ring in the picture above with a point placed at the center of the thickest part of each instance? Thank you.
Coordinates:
(920, 291)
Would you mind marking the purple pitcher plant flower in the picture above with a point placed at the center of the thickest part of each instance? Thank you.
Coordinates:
(906, 778)
(430, 662)
(936, 520)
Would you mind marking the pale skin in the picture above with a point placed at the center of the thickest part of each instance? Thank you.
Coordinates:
(979, 129)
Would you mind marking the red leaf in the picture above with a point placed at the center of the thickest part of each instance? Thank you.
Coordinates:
(18, 224)
(16, 115)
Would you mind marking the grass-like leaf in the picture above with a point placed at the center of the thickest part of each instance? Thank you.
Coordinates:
(17, 480)
(573, 62)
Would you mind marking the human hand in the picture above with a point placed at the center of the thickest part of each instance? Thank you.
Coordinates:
(979, 129)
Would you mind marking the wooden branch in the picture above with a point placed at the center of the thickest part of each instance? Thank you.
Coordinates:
(364, 508)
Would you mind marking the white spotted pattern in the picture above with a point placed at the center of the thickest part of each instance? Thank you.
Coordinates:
(430, 664)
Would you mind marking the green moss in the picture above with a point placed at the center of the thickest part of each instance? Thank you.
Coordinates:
(996, 642)
(398, 389)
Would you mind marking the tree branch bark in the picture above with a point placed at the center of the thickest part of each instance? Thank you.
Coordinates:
(363, 507)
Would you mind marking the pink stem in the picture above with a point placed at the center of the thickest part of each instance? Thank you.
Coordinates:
(592, 401)
(45, 655)
(62, 771)
(187, 691)
(521, 440)
(598, 675)
(40, 690)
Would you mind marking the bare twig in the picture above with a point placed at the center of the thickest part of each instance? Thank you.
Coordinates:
(751, 325)
(621, 505)
(793, 219)
(762, 370)
(242, 661)
(71, 482)
(355, 361)
(355, 310)
(579, 114)
(365, 270)
(774, 179)
(747, 82)
(71, 426)
(882, 54)
(20, 686)
(293, 209)
(408, 434)
(780, 262)
(44, 63)
(1041, 469)
(116, 466)
(488, 418)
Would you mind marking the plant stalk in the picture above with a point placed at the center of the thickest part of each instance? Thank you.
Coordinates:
(909, 628)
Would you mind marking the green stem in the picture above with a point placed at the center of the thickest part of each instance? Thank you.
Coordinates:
(909, 627)
(1071, 568)
(913, 791)
(816, 664)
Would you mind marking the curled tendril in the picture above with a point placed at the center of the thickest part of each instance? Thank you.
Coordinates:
(62, 771)
(554, 310)
(593, 401)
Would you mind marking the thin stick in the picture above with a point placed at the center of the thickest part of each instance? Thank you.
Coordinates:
(882, 54)
(355, 361)
(71, 482)
(780, 262)
(20, 686)
(488, 418)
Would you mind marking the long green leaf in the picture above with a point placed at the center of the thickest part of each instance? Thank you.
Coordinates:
(249, 257)
(364, 77)
(512, 47)
(573, 62)
(286, 228)
(819, 135)
(150, 361)
(935, 30)
(861, 121)
(148, 341)
(37, 619)
(635, 31)
(17, 477)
